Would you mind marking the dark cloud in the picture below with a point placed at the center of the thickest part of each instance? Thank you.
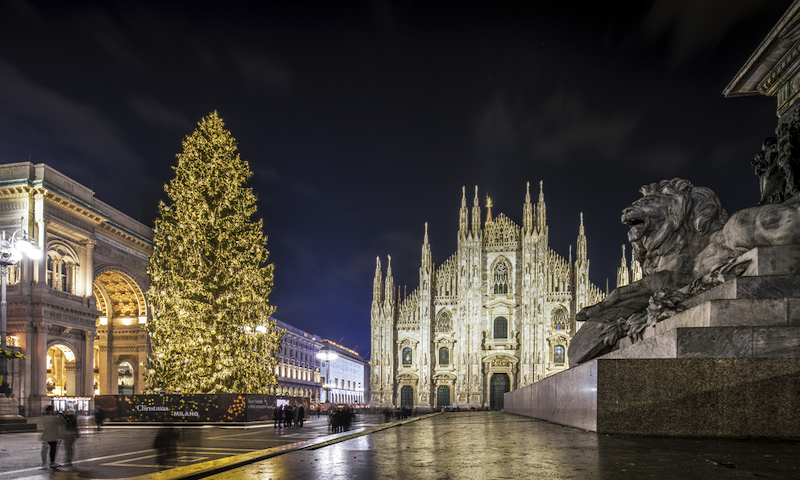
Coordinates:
(48, 120)
(262, 74)
(695, 28)
(562, 125)
(156, 114)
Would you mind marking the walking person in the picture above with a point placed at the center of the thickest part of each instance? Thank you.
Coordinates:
(71, 434)
(302, 414)
(288, 416)
(52, 433)
(296, 416)
(276, 416)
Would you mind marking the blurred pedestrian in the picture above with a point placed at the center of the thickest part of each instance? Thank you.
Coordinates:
(52, 433)
(166, 444)
(301, 414)
(296, 416)
(276, 416)
(71, 434)
(99, 418)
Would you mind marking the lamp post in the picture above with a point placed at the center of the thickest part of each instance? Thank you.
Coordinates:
(11, 251)
(327, 356)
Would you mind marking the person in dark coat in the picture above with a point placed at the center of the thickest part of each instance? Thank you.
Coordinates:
(301, 412)
(288, 415)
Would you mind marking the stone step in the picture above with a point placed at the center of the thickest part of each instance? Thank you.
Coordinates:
(773, 260)
(16, 424)
(716, 342)
(776, 286)
(733, 313)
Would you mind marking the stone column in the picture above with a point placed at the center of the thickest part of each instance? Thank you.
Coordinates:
(38, 359)
(86, 282)
(87, 378)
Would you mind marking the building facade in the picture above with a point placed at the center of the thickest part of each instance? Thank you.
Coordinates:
(495, 316)
(343, 375)
(298, 367)
(78, 314)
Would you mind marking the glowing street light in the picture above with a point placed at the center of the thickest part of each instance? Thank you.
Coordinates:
(11, 251)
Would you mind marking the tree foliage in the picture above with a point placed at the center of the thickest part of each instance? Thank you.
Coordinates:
(211, 330)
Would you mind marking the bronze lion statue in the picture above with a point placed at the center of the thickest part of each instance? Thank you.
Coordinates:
(686, 244)
(669, 226)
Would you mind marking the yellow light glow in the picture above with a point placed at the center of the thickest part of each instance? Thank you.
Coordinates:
(126, 321)
(142, 320)
(103, 321)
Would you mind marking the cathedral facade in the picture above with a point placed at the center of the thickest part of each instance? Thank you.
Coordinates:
(495, 316)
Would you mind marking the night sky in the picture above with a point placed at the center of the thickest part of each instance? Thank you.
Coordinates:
(362, 121)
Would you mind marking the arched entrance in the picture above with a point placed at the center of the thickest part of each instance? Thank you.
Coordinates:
(499, 385)
(407, 397)
(443, 396)
(61, 367)
(121, 344)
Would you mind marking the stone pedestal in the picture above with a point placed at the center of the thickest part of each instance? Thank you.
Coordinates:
(10, 420)
(728, 366)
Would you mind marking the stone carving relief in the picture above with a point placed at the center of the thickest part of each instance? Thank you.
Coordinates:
(778, 164)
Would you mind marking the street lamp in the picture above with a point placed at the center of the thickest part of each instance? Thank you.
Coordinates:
(11, 251)
(327, 356)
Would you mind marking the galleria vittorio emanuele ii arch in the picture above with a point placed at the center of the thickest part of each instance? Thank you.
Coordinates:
(78, 314)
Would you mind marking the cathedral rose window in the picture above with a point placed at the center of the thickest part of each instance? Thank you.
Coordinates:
(501, 277)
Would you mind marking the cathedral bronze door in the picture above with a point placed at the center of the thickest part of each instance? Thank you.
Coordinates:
(499, 385)
(407, 397)
(442, 396)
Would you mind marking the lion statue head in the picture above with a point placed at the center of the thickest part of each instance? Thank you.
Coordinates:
(672, 223)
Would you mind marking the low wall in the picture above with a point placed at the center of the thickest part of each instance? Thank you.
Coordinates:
(684, 397)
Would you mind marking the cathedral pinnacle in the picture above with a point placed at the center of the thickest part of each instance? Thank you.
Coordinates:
(488, 209)
(462, 215)
(527, 211)
(388, 266)
(476, 214)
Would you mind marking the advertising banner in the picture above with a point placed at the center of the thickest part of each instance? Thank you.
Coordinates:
(191, 408)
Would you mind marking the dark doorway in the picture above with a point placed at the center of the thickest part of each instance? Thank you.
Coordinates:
(407, 397)
(442, 396)
(499, 385)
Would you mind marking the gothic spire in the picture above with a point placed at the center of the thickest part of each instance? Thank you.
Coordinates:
(426, 251)
(541, 211)
(476, 214)
(623, 276)
(377, 286)
(488, 209)
(527, 211)
(389, 290)
(462, 214)
(581, 253)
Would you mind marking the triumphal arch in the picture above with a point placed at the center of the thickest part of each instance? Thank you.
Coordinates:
(79, 314)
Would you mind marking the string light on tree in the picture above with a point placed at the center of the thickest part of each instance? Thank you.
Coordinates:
(209, 276)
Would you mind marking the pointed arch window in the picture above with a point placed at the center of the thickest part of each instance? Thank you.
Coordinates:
(500, 276)
(444, 356)
(444, 322)
(407, 356)
(558, 354)
(500, 327)
(559, 319)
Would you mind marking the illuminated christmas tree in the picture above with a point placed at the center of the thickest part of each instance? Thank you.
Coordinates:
(210, 330)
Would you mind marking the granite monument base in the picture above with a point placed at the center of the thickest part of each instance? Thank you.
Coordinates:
(684, 397)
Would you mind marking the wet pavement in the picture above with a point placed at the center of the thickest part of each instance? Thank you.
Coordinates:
(462, 445)
(120, 451)
(494, 445)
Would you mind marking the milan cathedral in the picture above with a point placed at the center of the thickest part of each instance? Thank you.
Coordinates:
(495, 316)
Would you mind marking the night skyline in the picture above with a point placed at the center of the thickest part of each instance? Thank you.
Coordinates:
(361, 122)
